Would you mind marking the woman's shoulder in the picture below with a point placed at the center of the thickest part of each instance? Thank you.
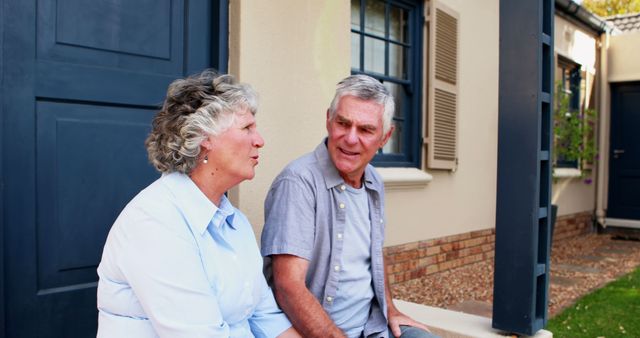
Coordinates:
(155, 198)
(153, 206)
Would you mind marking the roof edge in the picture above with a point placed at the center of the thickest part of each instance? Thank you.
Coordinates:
(584, 16)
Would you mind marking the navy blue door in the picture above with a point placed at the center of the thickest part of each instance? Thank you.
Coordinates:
(624, 156)
(81, 83)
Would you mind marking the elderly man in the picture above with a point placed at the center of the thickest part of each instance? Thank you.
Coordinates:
(324, 225)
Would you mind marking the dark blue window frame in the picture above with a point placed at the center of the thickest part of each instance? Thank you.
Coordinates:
(570, 78)
(408, 117)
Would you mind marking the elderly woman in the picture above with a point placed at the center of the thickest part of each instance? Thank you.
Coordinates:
(180, 260)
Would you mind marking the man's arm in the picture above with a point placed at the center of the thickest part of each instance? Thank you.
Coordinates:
(397, 318)
(303, 309)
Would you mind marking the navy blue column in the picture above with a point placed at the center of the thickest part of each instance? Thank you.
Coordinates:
(523, 235)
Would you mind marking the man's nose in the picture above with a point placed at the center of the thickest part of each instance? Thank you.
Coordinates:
(352, 135)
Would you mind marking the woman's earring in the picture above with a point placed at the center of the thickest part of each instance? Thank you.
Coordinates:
(206, 159)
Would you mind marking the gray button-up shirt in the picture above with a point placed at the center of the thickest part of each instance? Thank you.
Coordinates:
(305, 217)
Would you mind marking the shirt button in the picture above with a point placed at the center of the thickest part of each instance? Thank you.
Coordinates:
(336, 268)
(381, 220)
(329, 299)
(343, 187)
(341, 205)
(339, 235)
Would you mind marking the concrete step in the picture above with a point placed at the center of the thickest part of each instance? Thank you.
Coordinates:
(474, 307)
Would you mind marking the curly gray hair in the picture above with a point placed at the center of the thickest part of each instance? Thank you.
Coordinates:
(196, 107)
(367, 88)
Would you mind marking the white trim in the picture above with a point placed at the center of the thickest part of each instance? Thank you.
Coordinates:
(404, 178)
(448, 323)
(618, 222)
(566, 172)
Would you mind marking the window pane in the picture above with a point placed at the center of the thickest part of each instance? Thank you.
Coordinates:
(394, 145)
(399, 97)
(374, 18)
(355, 51)
(355, 14)
(373, 55)
(398, 25)
(398, 61)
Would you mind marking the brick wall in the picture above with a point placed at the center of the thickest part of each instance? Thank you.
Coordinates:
(573, 225)
(418, 259)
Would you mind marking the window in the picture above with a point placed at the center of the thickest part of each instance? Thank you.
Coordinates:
(569, 83)
(386, 44)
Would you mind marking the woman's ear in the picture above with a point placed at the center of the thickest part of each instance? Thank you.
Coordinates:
(207, 144)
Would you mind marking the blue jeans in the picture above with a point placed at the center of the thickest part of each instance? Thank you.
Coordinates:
(413, 332)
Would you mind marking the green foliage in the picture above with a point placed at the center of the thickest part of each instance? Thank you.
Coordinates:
(574, 131)
(606, 8)
(611, 311)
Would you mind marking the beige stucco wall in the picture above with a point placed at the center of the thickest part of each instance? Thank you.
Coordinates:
(464, 200)
(623, 55)
(575, 43)
(573, 195)
(293, 52)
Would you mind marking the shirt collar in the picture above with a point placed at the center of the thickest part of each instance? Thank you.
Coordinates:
(194, 205)
(331, 175)
(225, 212)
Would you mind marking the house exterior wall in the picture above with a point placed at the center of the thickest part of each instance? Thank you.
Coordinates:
(623, 54)
(572, 193)
(575, 43)
(295, 75)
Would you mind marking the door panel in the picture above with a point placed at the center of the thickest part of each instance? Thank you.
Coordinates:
(624, 156)
(145, 32)
(88, 157)
(57, 320)
(141, 35)
(82, 81)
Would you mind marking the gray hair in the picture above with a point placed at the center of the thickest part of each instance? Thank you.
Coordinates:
(195, 108)
(365, 88)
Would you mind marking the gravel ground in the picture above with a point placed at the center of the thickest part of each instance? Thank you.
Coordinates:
(578, 266)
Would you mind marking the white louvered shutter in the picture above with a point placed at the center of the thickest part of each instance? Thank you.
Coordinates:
(442, 87)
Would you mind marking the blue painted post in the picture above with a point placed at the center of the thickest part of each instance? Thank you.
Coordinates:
(523, 234)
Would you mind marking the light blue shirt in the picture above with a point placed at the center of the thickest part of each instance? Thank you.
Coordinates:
(351, 305)
(175, 265)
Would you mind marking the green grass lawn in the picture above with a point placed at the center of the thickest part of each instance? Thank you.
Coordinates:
(612, 311)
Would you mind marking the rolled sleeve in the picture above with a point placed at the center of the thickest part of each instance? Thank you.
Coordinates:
(289, 219)
(268, 320)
